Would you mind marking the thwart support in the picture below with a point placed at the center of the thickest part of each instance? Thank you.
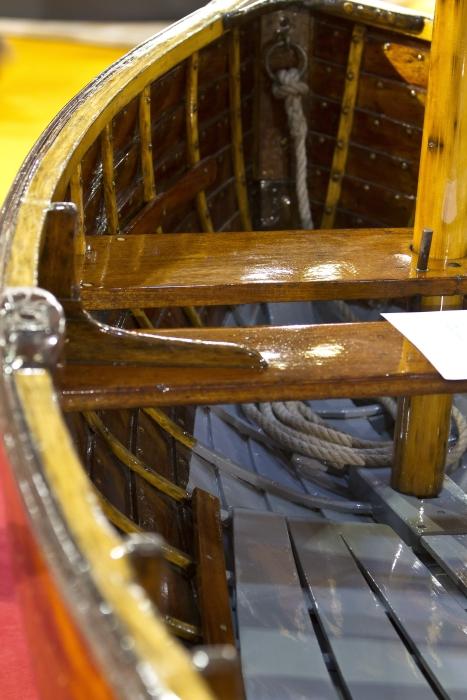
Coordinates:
(423, 422)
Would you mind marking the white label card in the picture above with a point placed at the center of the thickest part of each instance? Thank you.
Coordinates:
(439, 335)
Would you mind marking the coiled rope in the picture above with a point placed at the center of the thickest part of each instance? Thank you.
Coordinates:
(295, 427)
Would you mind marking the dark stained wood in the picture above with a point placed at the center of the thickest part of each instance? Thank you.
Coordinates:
(213, 596)
(187, 187)
(304, 362)
(97, 343)
(236, 268)
(57, 265)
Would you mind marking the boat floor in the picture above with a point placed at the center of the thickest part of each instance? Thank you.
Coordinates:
(329, 604)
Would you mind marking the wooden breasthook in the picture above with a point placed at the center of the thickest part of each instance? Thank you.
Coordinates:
(158, 204)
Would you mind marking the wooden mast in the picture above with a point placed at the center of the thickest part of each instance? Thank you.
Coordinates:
(423, 423)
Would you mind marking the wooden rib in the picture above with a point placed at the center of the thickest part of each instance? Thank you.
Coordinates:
(108, 176)
(147, 164)
(304, 362)
(76, 194)
(171, 554)
(213, 595)
(193, 135)
(341, 149)
(170, 427)
(238, 268)
(132, 462)
(237, 130)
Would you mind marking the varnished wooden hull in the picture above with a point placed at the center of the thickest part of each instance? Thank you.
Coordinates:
(184, 136)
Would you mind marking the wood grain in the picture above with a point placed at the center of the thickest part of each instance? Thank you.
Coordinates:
(238, 268)
(216, 617)
(304, 362)
(187, 187)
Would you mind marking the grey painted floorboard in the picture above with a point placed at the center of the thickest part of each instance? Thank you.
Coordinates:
(281, 657)
(372, 660)
(450, 551)
(425, 612)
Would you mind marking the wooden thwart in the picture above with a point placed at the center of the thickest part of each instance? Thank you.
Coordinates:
(239, 268)
(304, 362)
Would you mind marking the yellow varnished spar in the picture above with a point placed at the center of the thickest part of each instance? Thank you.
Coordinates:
(423, 423)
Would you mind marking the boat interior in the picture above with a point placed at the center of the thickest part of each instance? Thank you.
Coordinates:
(218, 469)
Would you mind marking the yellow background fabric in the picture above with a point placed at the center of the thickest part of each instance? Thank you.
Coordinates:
(37, 78)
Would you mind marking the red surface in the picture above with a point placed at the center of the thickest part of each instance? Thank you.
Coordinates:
(55, 664)
(16, 677)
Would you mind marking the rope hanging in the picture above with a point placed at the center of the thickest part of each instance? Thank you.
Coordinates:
(289, 87)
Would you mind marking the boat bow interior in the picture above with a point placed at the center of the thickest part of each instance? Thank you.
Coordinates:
(223, 497)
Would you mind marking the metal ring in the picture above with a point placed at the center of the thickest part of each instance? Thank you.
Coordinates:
(300, 52)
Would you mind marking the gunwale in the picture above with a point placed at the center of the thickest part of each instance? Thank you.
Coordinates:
(42, 181)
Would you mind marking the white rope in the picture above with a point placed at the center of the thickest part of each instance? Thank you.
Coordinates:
(291, 89)
(293, 426)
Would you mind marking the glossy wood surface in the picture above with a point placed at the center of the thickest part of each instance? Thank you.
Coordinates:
(216, 618)
(89, 341)
(238, 268)
(421, 439)
(304, 362)
(423, 423)
(442, 189)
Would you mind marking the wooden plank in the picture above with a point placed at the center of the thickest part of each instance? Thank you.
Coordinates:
(304, 362)
(213, 595)
(372, 660)
(450, 551)
(427, 616)
(281, 658)
(240, 268)
(200, 176)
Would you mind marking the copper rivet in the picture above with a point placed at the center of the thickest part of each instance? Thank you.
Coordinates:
(387, 46)
(372, 156)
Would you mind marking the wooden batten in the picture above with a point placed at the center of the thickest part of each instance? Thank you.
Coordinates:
(237, 130)
(341, 150)
(423, 423)
(193, 136)
(147, 164)
(110, 196)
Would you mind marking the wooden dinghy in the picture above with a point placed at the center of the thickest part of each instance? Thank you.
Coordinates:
(152, 232)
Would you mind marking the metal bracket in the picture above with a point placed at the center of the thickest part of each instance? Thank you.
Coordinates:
(32, 328)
